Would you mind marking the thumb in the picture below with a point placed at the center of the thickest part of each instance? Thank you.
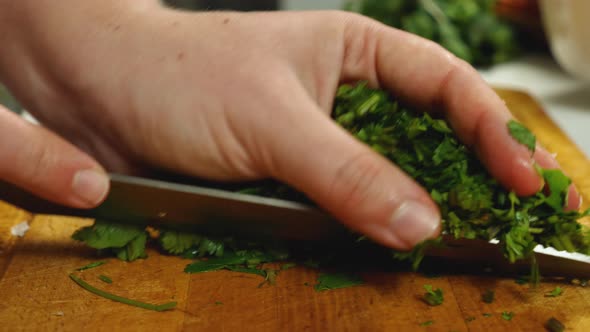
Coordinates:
(39, 161)
(357, 185)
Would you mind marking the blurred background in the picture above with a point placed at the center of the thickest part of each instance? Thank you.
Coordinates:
(535, 46)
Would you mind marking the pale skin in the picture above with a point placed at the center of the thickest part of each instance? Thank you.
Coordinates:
(131, 87)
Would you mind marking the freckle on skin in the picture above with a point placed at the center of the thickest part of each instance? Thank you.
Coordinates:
(226, 21)
(180, 56)
(117, 27)
(175, 23)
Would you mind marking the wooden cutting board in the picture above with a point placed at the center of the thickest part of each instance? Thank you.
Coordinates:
(36, 293)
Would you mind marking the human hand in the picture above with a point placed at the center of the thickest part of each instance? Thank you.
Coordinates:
(235, 96)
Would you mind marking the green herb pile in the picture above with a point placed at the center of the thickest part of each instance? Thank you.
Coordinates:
(468, 29)
(473, 205)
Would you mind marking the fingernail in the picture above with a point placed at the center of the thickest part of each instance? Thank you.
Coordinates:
(414, 222)
(91, 186)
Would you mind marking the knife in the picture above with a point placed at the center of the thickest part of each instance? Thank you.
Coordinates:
(214, 211)
(146, 201)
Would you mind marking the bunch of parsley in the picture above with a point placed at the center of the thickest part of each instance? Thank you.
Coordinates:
(468, 29)
(473, 204)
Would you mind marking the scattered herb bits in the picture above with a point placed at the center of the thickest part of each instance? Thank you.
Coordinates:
(117, 298)
(432, 296)
(427, 323)
(105, 279)
(507, 315)
(328, 281)
(557, 291)
(91, 266)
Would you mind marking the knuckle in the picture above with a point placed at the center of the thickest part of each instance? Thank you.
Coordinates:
(356, 181)
(37, 162)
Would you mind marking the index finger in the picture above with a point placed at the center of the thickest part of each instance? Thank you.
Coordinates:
(424, 74)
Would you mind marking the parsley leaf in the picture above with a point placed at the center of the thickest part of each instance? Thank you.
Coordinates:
(427, 323)
(191, 244)
(558, 185)
(521, 134)
(235, 260)
(106, 279)
(328, 281)
(126, 241)
(557, 291)
(432, 296)
(91, 266)
(507, 315)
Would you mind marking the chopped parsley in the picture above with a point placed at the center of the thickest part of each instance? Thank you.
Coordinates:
(507, 315)
(91, 266)
(427, 323)
(557, 291)
(329, 281)
(105, 279)
(117, 298)
(126, 241)
(522, 135)
(432, 296)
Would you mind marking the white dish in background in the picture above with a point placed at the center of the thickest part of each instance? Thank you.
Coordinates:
(568, 31)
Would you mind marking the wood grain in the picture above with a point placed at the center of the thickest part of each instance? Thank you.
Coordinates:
(38, 295)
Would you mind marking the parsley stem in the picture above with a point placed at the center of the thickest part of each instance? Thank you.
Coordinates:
(117, 298)
(91, 266)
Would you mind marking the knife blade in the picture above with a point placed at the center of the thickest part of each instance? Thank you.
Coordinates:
(144, 201)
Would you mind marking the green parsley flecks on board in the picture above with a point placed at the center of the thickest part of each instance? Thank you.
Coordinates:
(433, 296)
(105, 279)
(507, 315)
(91, 265)
(328, 281)
(557, 291)
(117, 298)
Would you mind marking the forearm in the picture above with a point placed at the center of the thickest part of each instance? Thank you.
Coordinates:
(51, 29)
